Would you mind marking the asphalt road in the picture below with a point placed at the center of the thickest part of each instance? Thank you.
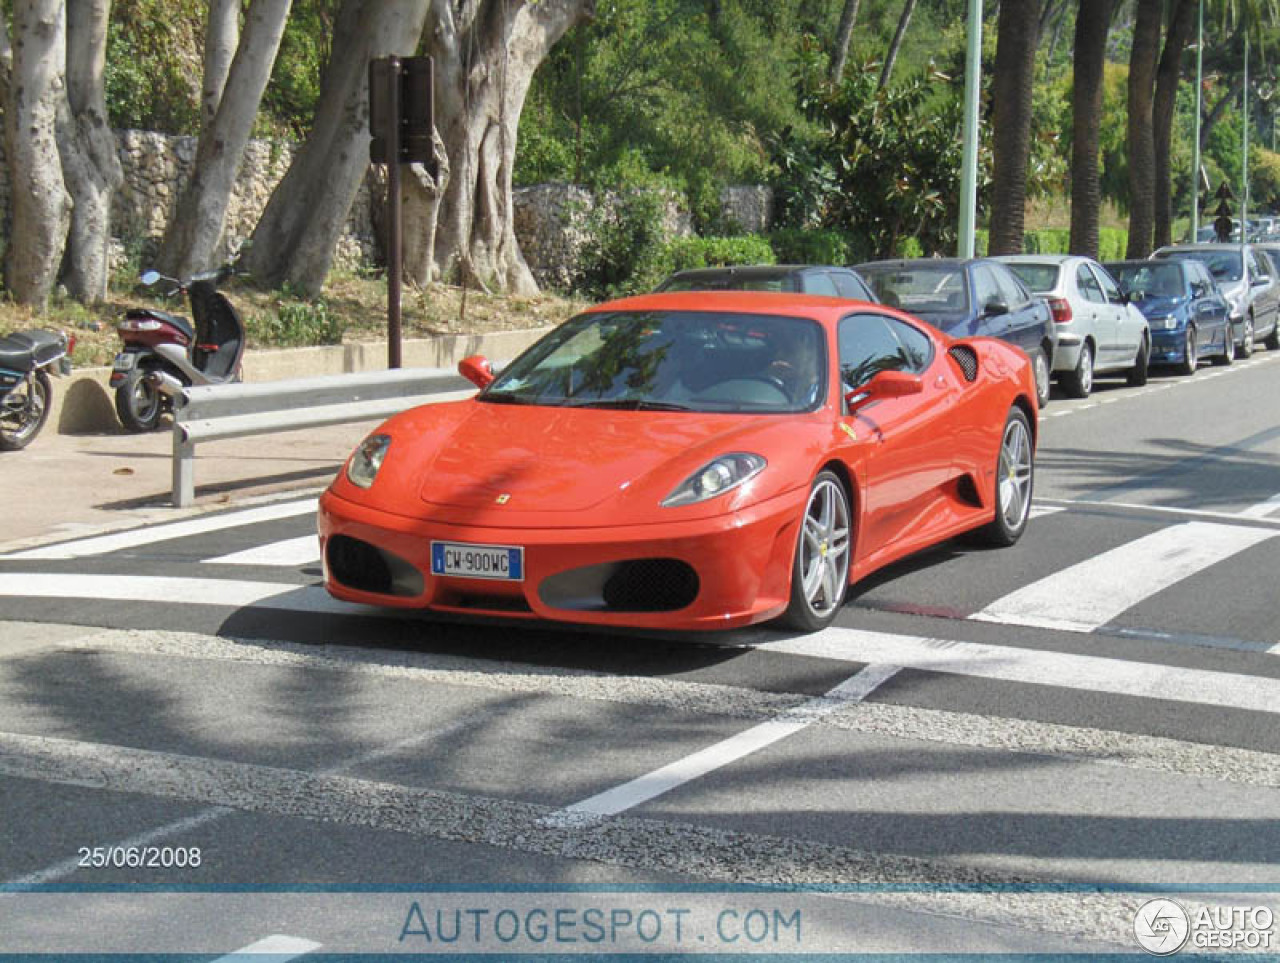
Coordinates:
(991, 751)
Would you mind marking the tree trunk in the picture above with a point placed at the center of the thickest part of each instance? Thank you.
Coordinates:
(844, 34)
(296, 236)
(40, 205)
(421, 195)
(1141, 138)
(87, 146)
(221, 38)
(1016, 43)
(1093, 23)
(908, 7)
(195, 226)
(1167, 75)
(485, 56)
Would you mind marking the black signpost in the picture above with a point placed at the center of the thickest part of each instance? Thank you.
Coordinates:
(400, 120)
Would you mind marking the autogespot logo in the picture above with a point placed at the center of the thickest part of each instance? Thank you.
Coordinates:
(1161, 927)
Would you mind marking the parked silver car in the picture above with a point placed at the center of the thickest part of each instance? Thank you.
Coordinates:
(1099, 331)
(1248, 283)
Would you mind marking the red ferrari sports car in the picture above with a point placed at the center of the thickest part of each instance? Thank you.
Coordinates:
(688, 461)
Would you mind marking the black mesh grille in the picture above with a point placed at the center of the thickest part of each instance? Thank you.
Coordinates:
(367, 568)
(966, 358)
(651, 585)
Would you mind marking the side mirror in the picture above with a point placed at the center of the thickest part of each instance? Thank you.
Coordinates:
(994, 308)
(477, 369)
(149, 277)
(887, 384)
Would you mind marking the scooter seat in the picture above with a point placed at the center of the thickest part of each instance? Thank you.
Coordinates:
(24, 350)
(181, 323)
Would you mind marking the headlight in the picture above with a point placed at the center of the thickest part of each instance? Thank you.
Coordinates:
(715, 478)
(1166, 323)
(363, 467)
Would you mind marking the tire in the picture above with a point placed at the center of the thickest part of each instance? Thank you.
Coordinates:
(1246, 339)
(138, 403)
(1136, 376)
(1228, 349)
(31, 411)
(1190, 348)
(1015, 482)
(1040, 364)
(820, 570)
(1079, 381)
(1273, 339)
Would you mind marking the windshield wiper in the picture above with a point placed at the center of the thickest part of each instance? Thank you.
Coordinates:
(512, 398)
(631, 404)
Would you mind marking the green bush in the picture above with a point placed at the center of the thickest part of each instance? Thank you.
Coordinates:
(297, 324)
(684, 253)
(799, 246)
(624, 252)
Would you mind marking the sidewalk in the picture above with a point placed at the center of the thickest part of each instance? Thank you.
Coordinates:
(66, 486)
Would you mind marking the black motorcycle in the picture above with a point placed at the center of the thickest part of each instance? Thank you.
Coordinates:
(26, 393)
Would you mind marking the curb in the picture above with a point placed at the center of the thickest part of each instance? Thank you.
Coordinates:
(84, 404)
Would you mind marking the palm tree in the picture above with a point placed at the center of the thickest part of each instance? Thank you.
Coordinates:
(1017, 38)
(1093, 23)
(844, 33)
(908, 7)
(1168, 72)
(1141, 135)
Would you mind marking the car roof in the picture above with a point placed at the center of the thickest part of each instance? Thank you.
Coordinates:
(818, 307)
(753, 270)
(1038, 258)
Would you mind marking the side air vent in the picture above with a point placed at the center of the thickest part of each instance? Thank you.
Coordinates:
(966, 358)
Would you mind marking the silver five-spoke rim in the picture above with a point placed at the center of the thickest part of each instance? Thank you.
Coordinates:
(1015, 475)
(824, 547)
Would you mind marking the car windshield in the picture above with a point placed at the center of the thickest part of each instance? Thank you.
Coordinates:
(918, 288)
(729, 282)
(1038, 277)
(1223, 265)
(707, 361)
(1148, 279)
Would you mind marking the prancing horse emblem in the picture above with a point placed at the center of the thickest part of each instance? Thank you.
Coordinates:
(503, 499)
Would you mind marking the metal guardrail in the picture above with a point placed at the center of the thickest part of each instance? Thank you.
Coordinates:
(210, 412)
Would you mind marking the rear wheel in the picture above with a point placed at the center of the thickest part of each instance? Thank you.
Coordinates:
(138, 403)
(1246, 340)
(1228, 348)
(1015, 481)
(24, 411)
(1273, 339)
(1189, 348)
(1079, 381)
(1136, 376)
(820, 572)
(1040, 365)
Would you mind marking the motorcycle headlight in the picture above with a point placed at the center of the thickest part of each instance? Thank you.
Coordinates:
(362, 468)
(715, 478)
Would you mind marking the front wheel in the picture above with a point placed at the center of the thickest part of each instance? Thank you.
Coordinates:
(1015, 480)
(1190, 349)
(24, 411)
(820, 572)
(1273, 339)
(1136, 376)
(1079, 381)
(1246, 340)
(138, 402)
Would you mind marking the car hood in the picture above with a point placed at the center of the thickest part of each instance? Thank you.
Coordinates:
(1158, 307)
(537, 459)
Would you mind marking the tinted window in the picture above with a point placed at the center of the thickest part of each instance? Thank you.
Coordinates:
(1151, 279)
(1089, 287)
(985, 288)
(1109, 287)
(918, 288)
(817, 282)
(1038, 277)
(871, 343)
(850, 286)
(1224, 266)
(1011, 289)
(1259, 266)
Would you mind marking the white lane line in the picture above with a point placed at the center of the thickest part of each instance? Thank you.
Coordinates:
(1059, 670)
(287, 554)
(1275, 649)
(184, 591)
(102, 544)
(1040, 511)
(1088, 595)
(1169, 510)
(1263, 509)
(640, 790)
(271, 949)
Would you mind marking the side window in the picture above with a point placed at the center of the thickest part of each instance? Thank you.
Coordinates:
(1089, 287)
(871, 343)
(985, 289)
(817, 282)
(1110, 290)
(849, 286)
(1258, 266)
(1011, 289)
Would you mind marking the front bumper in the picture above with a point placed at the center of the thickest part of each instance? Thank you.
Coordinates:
(1168, 345)
(740, 565)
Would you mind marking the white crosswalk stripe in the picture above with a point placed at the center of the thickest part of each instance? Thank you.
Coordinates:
(289, 553)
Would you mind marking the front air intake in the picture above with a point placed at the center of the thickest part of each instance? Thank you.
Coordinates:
(367, 568)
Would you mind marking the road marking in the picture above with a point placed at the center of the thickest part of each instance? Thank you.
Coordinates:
(1062, 670)
(1088, 595)
(1040, 511)
(642, 789)
(272, 949)
(1254, 520)
(290, 553)
(1263, 509)
(102, 544)
(183, 591)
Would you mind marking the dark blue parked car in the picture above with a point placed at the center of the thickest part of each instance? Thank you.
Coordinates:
(970, 297)
(1184, 307)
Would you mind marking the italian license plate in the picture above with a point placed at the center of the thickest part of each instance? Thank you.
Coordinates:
(125, 361)
(502, 562)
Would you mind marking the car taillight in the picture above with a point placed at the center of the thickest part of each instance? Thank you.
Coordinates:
(1061, 309)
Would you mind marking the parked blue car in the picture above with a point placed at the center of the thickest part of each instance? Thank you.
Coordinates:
(1184, 307)
(970, 297)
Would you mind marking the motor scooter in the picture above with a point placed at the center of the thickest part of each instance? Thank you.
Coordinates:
(164, 353)
(26, 393)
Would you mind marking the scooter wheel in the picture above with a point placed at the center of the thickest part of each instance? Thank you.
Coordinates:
(23, 414)
(138, 403)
